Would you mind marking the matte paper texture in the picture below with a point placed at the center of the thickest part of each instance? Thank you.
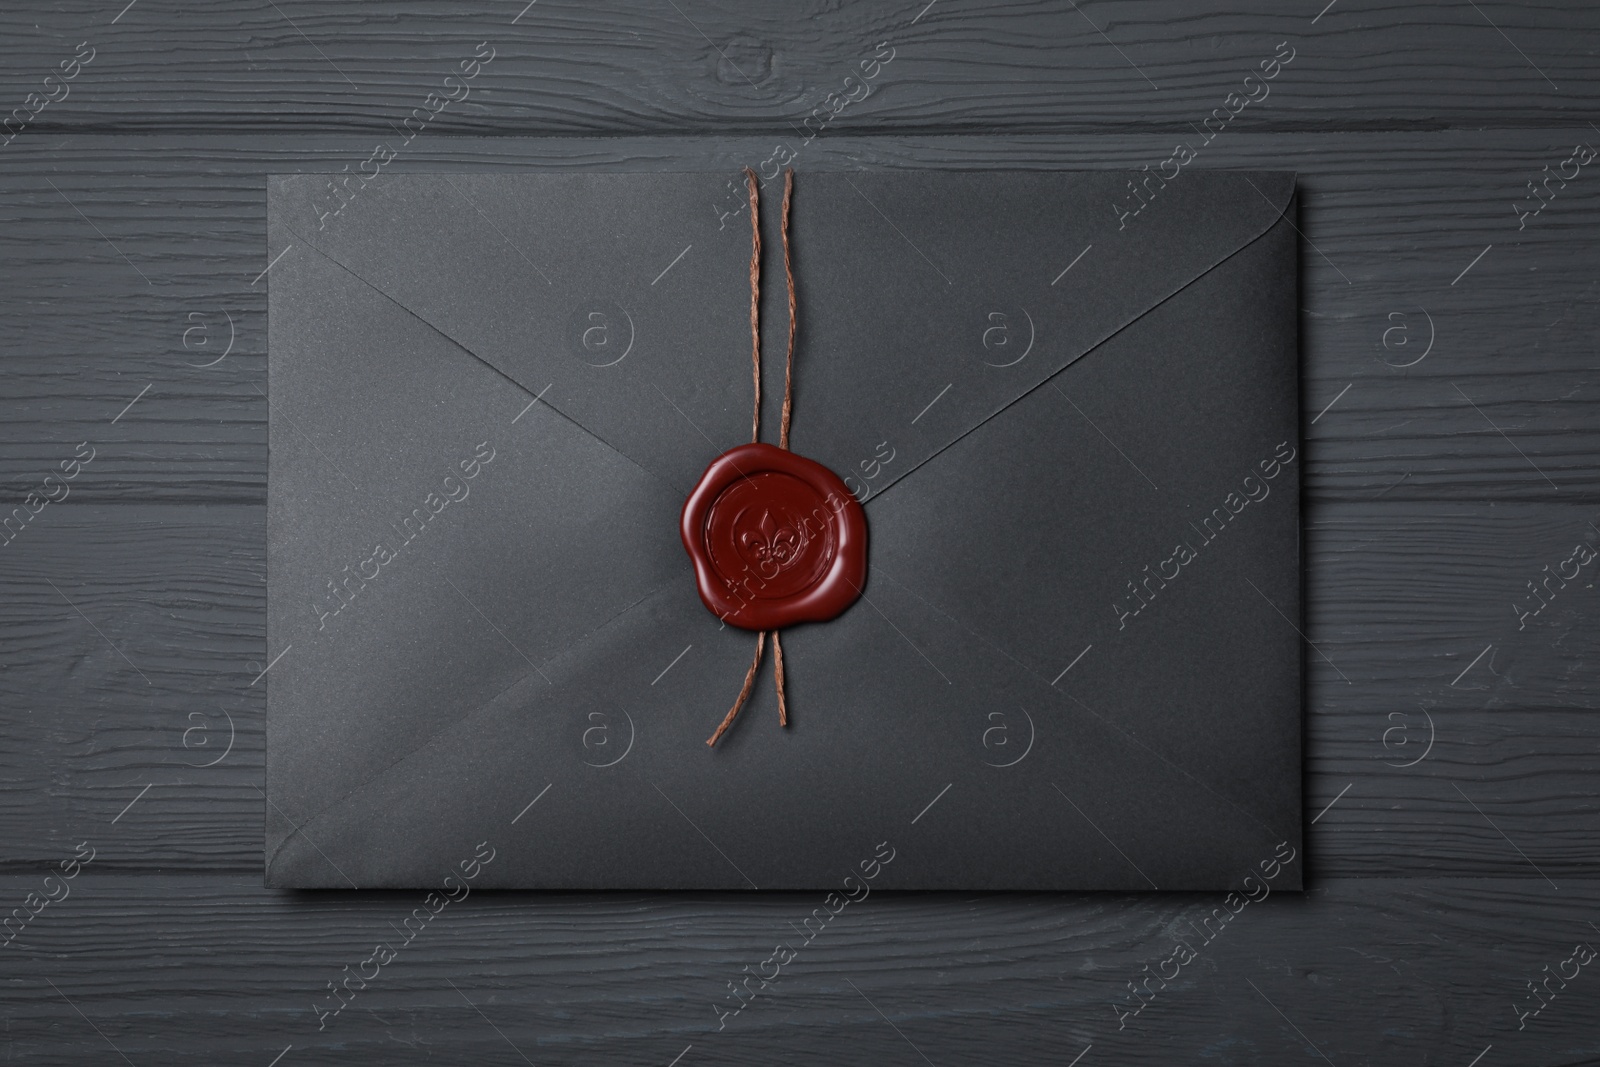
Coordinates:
(1076, 664)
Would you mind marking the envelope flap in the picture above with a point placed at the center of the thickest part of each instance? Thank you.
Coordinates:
(577, 287)
(1013, 274)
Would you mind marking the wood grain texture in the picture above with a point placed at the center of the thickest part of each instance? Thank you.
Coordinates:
(720, 66)
(206, 969)
(148, 684)
(1503, 406)
(131, 651)
(1446, 736)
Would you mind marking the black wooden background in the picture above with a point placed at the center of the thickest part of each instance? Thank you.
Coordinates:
(1451, 417)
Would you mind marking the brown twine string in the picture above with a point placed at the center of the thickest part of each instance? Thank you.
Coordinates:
(755, 419)
(744, 692)
(755, 297)
(788, 276)
(777, 670)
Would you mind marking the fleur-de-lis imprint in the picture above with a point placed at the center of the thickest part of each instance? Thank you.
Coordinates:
(772, 544)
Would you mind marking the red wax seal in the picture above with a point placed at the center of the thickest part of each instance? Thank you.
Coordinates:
(775, 539)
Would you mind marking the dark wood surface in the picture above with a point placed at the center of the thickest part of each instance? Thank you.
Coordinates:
(1456, 745)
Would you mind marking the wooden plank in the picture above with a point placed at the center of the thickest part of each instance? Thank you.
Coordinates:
(1448, 703)
(1411, 239)
(1446, 736)
(1453, 682)
(1453, 606)
(208, 969)
(717, 65)
(132, 636)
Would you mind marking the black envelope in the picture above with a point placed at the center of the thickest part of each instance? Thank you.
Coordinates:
(1068, 400)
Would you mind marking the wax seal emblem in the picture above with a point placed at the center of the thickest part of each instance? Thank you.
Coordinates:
(775, 539)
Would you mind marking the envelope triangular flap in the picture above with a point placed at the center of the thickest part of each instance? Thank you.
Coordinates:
(1052, 531)
(427, 544)
(776, 808)
(929, 301)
